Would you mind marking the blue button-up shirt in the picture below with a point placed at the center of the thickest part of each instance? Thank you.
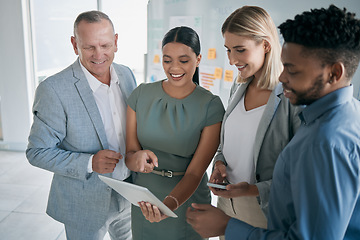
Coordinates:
(316, 180)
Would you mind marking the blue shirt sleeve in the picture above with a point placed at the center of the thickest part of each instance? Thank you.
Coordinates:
(238, 230)
(324, 184)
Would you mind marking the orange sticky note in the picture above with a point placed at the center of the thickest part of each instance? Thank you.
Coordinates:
(229, 75)
(218, 73)
(156, 59)
(211, 53)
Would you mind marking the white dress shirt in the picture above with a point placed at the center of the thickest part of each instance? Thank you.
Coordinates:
(112, 108)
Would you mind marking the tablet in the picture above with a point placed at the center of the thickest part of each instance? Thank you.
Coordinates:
(134, 194)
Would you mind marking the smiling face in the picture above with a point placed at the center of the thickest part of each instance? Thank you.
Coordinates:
(245, 53)
(179, 63)
(304, 78)
(96, 44)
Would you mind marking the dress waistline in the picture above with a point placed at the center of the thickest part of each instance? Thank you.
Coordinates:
(167, 173)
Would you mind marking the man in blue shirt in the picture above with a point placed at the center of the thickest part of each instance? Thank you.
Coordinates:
(315, 193)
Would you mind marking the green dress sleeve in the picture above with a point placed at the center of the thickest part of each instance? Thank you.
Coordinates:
(215, 111)
(133, 99)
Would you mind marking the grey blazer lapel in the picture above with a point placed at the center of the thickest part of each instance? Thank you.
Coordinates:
(125, 83)
(235, 98)
(269, 112)
(121, 83)
(88, 100)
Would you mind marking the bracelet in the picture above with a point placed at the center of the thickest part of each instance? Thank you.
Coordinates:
(174, 198)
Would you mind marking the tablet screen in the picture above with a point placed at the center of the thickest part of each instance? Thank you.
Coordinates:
(134, 194)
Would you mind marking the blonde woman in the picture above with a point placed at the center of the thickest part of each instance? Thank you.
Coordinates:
(259, 120)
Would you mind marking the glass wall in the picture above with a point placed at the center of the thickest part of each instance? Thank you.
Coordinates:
(130, 22)
(52, 27)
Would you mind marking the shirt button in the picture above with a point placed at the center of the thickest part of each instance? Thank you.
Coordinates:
(257, 177)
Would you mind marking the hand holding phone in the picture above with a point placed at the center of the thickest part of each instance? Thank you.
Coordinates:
(218, 185)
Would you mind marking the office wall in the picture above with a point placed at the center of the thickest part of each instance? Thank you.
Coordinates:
(16, 76)
(206, 17)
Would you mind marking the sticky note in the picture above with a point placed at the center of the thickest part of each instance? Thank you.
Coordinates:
(156, 58)
(211, 53)
(218, 73)
(229, 75)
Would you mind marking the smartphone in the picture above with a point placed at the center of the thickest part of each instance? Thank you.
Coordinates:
(218, 185)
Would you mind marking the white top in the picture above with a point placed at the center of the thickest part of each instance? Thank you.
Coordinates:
(239, 139)
(112, 108)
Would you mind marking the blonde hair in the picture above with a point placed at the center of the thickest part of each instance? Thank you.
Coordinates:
(256, 23)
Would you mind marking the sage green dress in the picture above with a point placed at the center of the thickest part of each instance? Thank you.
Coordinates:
(171, 128)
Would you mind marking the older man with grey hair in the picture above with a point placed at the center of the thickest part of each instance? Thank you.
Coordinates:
(79, 132)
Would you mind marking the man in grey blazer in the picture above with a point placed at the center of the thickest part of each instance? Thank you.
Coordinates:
(79, 132)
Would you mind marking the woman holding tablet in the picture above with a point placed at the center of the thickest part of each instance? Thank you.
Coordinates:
(173, 131)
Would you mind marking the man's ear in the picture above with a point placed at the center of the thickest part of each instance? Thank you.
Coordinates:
(116, 41)
(337, 72)
(73, 42)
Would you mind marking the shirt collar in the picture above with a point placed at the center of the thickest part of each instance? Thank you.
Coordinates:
(320, 106)
(93, 82)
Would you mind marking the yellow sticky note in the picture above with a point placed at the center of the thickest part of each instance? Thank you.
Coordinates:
(211, 53)
(218, 73)
(229, 75)
(156, 58)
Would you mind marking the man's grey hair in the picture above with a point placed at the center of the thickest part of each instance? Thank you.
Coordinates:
(91, 17)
